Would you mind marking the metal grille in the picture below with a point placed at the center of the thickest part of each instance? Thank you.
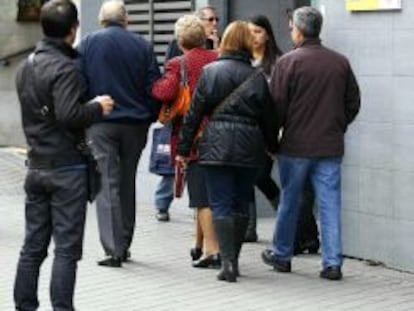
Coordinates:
(154, 19)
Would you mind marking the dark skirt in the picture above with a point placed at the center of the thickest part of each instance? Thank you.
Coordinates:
(196, 186)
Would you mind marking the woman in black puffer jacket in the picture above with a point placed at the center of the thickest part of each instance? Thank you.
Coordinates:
(231, 145)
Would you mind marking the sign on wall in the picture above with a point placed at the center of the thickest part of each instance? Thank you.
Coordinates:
(373, 5)
(29, 10)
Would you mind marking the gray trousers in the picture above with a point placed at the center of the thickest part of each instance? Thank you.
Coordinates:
(117, 147)
(55, 208)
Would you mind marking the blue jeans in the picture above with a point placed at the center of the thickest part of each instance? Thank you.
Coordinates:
(325, 175)
(164, 194)
(229, 189)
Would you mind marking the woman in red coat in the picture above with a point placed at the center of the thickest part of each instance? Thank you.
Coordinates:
(191, 37)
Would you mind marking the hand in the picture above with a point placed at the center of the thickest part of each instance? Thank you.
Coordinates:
(106, 102)
(273, 156)
(215, 38)
(180, 160)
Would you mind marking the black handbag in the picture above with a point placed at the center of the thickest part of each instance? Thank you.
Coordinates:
(94, 178)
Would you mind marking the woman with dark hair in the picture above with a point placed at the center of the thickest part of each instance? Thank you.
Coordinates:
(265, 49)
(231, 145)
(265, 54)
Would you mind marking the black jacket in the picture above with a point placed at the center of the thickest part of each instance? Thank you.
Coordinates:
(239, 133)
(53, 115)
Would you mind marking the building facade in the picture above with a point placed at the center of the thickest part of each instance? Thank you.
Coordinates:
(378, 168)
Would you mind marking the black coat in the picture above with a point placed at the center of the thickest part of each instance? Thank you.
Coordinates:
(239, 133)
(53, 115)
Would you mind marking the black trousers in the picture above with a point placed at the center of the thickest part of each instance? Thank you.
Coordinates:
(55, 208)
(265, 182)
(307, 229)
(117, 148)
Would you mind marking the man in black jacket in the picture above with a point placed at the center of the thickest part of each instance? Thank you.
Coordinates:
(54, 119)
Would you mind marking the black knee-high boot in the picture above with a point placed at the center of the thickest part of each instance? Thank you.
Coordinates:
(224, 227)
(241, 223)
(251, 233)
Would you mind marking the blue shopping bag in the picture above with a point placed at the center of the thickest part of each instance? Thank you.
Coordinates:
(160, 158)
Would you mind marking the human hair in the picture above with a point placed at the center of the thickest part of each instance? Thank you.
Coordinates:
(272, 50)
(308, 21)
(58, 17)
(113, 12)
(237, 37)
(201, 12)
(189, 31)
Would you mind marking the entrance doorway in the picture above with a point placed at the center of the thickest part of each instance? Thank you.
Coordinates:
(276, 11)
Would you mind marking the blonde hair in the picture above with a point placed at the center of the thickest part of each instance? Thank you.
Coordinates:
(189, 31)
(237, 37)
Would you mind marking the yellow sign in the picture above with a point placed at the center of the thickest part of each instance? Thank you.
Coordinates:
(372, 5)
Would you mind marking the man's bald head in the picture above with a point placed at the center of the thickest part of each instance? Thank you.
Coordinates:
(113, 12)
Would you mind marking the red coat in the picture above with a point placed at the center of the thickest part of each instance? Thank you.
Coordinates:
(166, 88)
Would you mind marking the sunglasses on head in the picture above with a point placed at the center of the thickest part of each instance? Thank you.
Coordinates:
(211, 19)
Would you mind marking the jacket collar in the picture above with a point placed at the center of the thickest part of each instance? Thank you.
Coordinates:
(48, 44)
(308, 42)
(243, 56)
(113, 24)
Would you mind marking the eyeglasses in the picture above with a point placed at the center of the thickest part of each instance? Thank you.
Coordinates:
(211, 19)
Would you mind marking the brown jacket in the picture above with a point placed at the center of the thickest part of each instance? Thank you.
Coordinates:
(316, 97)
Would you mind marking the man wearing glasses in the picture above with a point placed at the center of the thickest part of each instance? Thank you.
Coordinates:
(210, 20)
(208, 15)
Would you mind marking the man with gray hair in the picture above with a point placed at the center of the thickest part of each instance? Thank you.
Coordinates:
(317, 97)
(210, 19)
(120, 63)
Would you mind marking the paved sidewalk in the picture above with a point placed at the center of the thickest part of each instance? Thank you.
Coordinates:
(160, 276)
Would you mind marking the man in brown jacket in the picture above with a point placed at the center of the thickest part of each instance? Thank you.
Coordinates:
(317, 96)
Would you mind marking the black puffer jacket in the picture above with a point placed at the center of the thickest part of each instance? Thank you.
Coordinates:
(239, 133)
(53, 115)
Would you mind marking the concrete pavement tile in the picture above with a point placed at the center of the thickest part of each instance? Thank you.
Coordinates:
(160, 276)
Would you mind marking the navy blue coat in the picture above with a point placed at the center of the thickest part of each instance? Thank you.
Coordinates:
(122, 64)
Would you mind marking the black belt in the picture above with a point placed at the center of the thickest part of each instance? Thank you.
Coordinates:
(55, 162)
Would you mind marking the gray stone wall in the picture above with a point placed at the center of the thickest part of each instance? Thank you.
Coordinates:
(14, 36)
(378, 174)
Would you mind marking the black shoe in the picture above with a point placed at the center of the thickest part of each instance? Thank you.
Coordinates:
(126, 256)
(211, 261)
(227, 272)
(113, 261)
(251, 237)
(312, 247)
(163, 216)
(331, 273)
(279, 265)
(196, 253)
(275, 202)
